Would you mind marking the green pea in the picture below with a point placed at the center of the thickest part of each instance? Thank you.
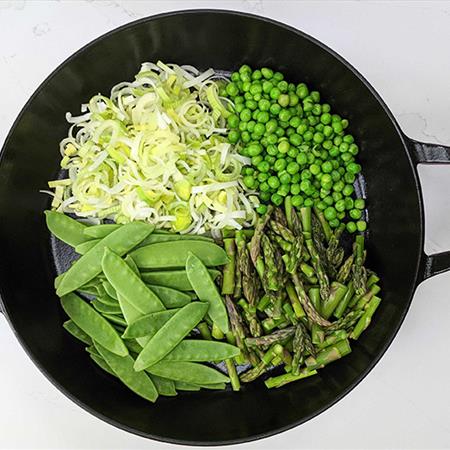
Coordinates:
(264, 104)
(302, 159)
(293, 99)
(275, 109)
(343, 147)
(348, 190)
(308, 136)
(292, 168)
(234, 136)
(264, 187)
(275, 93)
(305, 185)
(271, 126)
(337, 127)
(295, 189)
(285, 178)
(302, 90)
(245, 115)
(273, 182)
(327, 167)
(284, 116)
(338, 186)
(239, 99)
(340, 205)
(322, 205)
(348, 203)
(296, 178)
(330, 213)
(361, 225)
(334, 151)
(276, 199)
(283, 146)
(263, 117)
(242, 126)
(280, 164)
(283, 190)
(283, 100)
(351, 227)
(264, 196)
(267, 73)
(360, 203)
(261, 209)
(349, 139)
(267, 86)
(263, 177)
(308, 202)
(279, 132)
(297, 201)
(260, 129)
(355, 214)
(272, 150)
(317, 110)
(263, 166)
(334, 223)
(249, 181)
(354, 168)
(314, 169)
(231, 89)
(257, 159)
(329, 200)
(353, 149)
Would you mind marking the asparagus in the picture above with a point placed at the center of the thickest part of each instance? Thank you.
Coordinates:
(305, 215)
(281, 380)
(240, 246)
(345, 270)
(317, 334)
(270, 323)
(362, 302)
(324, 282)
(272, 266)
(228, 282)
(310, 311)
(346, 322)
(359, 274)
(372, 279)
(314, 295)
(279, 336)
(251, 318)
(255, 243)
(252, 374)
(295, 302)
(235, 383)
(216, 332)
(288, 212)
(342, 306)
(280, 217)
(328, 354)
(337, 293)
(332, 338)
(204, 331)
(263, 303)
(325, 225)
(289, 313)
(366, 318)
(335, 252)
(236, 326)
(298, 346)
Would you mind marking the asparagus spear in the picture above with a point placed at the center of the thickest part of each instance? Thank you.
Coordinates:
(311, 312)
(272, 265)
(228, 281)
(305, 215)
(235, 383)
(295, 302)
(236, 326)
(346, 322)
(325, 225)
(332, 338)
(298, 346)
(324, 282)
(255, 244)
(359, 274)
(342, 306)
(263, 303)
(345, 270)
(251, 318)
(335, 252)
(281, 380)
(252, 374)
(366, 318)
(204, 331)
(337, 293)
(328, 354)
(317, 334)
(279, 336)
(314, 295)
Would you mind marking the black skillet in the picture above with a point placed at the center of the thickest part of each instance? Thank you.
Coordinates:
(222, 40)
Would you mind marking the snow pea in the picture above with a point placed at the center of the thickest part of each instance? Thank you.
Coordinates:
(109, 289)
(201, 351)
(77, 332)
(100, 231)
(171, 334)
(116, 319)
(93, 324)
(84, 247)
(149, 324)
(65, 228)
(175, 279)
(156, 238)
(102, 364)
(164, 386)
(138, 382)
(188, 372)
(90, 265)
(104, 308)
(129, 285)
(206, 291)
(173, 254)
(172, 298)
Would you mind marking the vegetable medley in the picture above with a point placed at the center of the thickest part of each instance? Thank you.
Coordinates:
(206, 217)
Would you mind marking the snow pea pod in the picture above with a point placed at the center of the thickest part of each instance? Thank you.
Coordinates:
(102, 364)
(104, 308)
(109, 289)
(116, 319)
(207, 291)
(174, 254)
(164, 386)
(84, 247)
(65, 228)
(129, 285)
(149, 324)
(156, 238)
(188, 372)
(183, 386)
(175, 279)
(172, 298)
(138, 382)
(100, 231)
(171, 334)
(202, 351)
(107, 300)
(77, 332)
(93, 324)
(90, 265)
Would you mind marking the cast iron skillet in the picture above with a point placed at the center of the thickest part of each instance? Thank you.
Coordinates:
(222, 40)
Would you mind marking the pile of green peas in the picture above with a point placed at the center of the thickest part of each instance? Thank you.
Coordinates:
(297, 147)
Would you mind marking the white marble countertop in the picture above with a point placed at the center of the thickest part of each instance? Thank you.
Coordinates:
(403, 49)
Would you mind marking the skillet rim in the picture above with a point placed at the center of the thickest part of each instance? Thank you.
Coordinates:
(420, 256)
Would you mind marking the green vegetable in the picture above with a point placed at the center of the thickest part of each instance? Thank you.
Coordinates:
(202, 351)
(65, 229)
(175, 279)
(93, 324)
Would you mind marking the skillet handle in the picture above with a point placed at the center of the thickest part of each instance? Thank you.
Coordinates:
(424, 153)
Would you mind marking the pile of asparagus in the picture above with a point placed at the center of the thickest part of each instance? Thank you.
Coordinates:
(293, 296)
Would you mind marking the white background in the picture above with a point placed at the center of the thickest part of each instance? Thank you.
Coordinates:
(403, 48)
